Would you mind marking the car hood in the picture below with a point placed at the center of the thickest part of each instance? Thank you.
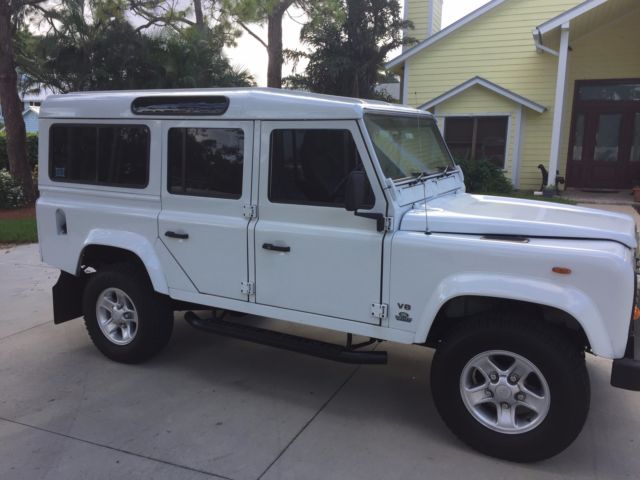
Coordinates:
(488, 215)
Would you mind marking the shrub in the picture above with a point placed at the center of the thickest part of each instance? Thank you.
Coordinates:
(482, 176)
(32, 150)
(11, 195)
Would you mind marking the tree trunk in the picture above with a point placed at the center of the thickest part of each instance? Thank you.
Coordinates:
(274, 42)
(12, 108)
(197, 8)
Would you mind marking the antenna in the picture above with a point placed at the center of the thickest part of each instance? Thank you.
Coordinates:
(426, 210)
(425, 181)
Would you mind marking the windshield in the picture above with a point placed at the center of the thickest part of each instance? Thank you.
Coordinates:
(408, 146)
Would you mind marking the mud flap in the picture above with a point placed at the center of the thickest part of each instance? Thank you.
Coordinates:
(67, 297)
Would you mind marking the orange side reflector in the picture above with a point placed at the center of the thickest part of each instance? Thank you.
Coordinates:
(561, 270)
(636, 313)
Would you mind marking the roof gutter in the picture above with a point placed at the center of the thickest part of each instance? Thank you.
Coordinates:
(540, 47)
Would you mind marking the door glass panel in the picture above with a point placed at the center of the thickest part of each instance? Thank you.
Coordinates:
(311, 167)
(607, 138)
(206, 162)
(621, 92)
(578, 138)
(635, 149)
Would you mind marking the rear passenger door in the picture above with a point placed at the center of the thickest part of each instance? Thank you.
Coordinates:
(206, 183)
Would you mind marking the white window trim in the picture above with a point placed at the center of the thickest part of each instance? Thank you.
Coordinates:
(508, 160)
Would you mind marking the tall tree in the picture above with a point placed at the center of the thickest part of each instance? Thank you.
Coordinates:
(271, 13)
(11, 15)
(348, 52)
(98, 49)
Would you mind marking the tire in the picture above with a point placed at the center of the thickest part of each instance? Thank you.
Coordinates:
(122, 300)
(523, 418)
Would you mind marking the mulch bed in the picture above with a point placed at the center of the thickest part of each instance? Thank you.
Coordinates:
(15, 213)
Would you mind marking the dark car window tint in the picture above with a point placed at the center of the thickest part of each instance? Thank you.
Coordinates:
(312, 167)
(114, 155)
(206, 161)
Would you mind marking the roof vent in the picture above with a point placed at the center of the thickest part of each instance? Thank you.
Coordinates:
(180, 105)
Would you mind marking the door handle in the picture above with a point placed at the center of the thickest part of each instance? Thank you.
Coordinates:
(275, 248)
(181, 236)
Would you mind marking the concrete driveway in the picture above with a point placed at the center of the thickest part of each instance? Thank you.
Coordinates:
(212, 407)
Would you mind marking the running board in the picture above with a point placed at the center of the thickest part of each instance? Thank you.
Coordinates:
(286, 341)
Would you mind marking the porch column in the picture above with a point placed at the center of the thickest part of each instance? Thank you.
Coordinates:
(558, 107)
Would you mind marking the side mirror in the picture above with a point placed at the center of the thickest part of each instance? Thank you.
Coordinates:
(355, 191)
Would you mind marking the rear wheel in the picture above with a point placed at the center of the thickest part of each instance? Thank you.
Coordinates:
(513, 390)
(126, 320)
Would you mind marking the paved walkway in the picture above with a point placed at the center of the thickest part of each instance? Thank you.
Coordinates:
(210, 407)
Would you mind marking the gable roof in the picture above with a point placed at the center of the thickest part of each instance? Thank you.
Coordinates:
(443, 33)
(483, 82)
(567, 16)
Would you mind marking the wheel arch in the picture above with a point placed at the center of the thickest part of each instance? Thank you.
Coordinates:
(564, 306)
(461, 308)
(108, 247)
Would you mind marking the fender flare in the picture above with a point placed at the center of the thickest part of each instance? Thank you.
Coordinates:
(566, 298)
(136, 244)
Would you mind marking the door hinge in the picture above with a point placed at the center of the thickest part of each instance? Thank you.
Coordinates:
(388, 224)
(249, 211)
(247, 288)
(379, 310)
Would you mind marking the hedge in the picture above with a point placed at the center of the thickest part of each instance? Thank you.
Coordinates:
(32, 150)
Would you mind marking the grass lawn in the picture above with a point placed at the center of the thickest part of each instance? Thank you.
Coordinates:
(18, 226)
(18, 230)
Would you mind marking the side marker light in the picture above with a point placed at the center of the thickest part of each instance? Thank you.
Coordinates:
(561, 270)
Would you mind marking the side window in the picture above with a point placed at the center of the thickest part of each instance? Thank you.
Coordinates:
(206, 162)
(311, 167)
(113, 155)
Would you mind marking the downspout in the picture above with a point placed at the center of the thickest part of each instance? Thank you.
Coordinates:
(540, 47)
(558, 108)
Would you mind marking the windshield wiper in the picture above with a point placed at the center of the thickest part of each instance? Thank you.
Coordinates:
(417, 177)
(448, 169)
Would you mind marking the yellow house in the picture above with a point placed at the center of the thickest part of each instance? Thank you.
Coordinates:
(525, 83)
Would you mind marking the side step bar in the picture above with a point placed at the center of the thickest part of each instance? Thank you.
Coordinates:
(286, 341)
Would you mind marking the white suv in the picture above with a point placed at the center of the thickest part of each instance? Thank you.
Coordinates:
(337, 213)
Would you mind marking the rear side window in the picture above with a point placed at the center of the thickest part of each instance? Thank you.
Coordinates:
(112, 155)
(311, 167)
(206, 162)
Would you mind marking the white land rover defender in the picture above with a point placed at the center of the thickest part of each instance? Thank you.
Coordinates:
(337, 213)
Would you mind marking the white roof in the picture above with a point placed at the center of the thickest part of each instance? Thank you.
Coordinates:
(244, 103)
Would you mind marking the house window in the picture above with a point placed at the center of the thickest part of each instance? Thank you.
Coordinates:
(474, 138)
(610, 92)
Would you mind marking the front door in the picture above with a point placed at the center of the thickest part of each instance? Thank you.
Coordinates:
(312, 255)
(207, 181)
(604, 151)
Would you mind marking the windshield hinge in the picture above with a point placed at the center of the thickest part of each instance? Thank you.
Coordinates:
(247, 288)
(249, 211)
(379, 310)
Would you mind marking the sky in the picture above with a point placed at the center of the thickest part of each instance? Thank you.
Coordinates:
(250, 54)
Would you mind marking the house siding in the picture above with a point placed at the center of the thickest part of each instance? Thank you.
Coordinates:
(499, 47)
(421, 13)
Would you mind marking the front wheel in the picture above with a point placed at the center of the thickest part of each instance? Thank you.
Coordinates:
(513, 390)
